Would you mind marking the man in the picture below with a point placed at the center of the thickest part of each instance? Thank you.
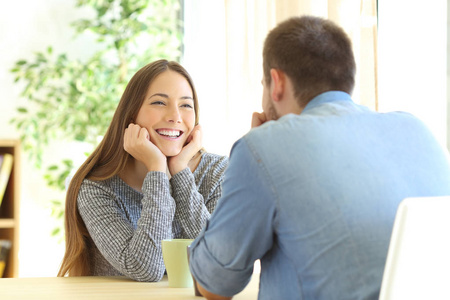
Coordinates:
(313, 189)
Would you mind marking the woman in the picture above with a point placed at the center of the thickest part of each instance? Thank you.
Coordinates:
(148, 180)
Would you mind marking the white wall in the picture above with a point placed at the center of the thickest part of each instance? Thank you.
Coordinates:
(413, 60)
(448, 76)
(204, 59)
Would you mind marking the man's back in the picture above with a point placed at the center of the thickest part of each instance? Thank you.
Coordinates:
(338, 172)
(314, 193)
(314, 196)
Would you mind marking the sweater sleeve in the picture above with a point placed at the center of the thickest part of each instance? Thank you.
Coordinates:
(196, 201)
(135, 252)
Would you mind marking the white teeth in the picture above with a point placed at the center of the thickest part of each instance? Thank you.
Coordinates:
(171, 133)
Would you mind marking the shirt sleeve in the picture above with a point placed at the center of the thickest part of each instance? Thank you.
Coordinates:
(240, 229)
(135, 252)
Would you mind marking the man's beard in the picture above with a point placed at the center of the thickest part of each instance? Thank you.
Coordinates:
(272, 113)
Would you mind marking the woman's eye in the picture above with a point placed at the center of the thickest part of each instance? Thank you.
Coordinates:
(187, 106)
(157, 103)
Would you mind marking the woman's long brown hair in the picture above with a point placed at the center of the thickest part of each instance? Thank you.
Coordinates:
(107, 160)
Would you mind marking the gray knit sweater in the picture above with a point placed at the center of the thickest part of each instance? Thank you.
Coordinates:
(127, 226)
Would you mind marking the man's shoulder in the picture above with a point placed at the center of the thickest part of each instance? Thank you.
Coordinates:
(269, 136)
(305, 131)
(276, 128)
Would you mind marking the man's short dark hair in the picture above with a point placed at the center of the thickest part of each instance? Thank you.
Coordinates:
(315, 53)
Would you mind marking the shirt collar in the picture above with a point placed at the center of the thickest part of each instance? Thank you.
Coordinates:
(327, 97)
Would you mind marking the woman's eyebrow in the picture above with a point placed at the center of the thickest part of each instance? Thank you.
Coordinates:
(159, 94)
(167, 96)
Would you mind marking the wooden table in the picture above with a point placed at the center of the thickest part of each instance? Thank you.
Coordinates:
(96, 287)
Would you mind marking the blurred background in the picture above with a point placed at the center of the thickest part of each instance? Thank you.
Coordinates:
(65, 63)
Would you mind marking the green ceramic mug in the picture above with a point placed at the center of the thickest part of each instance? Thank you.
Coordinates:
(176, 262)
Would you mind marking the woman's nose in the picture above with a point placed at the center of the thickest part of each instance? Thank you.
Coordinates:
(173, 115)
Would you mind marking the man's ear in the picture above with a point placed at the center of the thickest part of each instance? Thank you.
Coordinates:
(278, 84)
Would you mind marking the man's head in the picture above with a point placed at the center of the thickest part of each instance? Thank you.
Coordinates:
(314, 53)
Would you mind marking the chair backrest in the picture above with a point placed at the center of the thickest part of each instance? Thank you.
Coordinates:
(418, 261)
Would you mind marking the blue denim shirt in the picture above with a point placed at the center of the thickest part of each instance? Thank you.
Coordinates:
(314, 196)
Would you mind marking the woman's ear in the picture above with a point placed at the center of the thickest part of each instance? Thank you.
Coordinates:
(278, 84)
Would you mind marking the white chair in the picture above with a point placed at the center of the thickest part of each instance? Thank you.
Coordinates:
(418, 261)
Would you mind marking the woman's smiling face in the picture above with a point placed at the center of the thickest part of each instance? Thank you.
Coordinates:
(168, 112)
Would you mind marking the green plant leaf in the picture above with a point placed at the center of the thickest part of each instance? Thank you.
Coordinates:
(56, 231)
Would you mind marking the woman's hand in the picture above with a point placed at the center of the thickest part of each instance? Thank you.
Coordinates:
(194, 144)
(137, 143)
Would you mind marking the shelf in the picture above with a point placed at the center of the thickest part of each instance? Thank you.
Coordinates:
(9, 209)
(7, 223)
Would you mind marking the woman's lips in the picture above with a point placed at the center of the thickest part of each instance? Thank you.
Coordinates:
(169, 133)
